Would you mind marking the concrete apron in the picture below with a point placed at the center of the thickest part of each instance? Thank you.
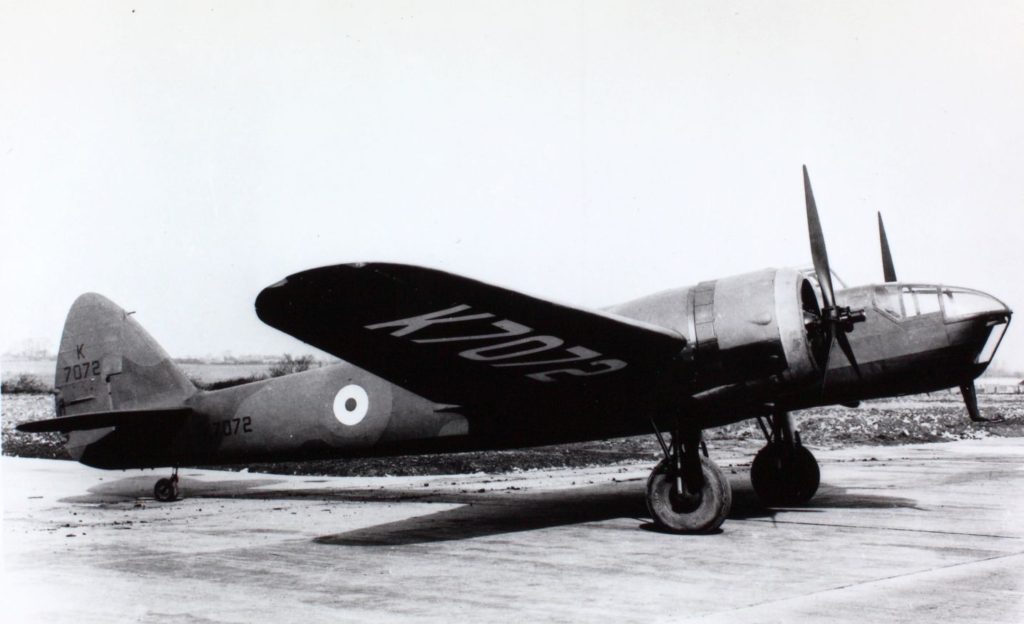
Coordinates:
(904, 533)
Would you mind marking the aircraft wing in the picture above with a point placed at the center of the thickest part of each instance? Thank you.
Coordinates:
(458, 341)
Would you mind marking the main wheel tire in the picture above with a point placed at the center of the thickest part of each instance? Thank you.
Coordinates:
(688, 514)
(785, 477)
(165, 490)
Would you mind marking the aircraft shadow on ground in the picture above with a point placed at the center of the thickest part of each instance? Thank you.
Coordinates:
(526, 512)
(747, 506)
(141, 487)
(480, 514)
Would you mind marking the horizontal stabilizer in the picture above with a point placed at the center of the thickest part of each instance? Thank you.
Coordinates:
(99, 420)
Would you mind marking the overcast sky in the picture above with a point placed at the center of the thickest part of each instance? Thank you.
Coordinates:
(178, 157)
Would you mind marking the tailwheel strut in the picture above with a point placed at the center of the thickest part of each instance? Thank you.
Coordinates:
(784, 472)
(687, 492)
(166, 490)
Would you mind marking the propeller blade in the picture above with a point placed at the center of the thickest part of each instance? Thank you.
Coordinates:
(829, 341)
(971, 401)
(844, 344)
(887, 266)
(818, 251)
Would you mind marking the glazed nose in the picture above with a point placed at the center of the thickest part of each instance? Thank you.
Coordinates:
(997, 319)
(998, 307)
(962, 303)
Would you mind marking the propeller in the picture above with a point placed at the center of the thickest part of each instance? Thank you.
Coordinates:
(836, 321)
(887, 267)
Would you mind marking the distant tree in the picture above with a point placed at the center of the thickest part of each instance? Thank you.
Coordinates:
(225, 383)
(290, 365)
(25, 384)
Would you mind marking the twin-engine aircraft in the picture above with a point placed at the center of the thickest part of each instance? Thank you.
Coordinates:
(437, 362)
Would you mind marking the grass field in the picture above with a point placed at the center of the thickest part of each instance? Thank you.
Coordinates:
(925, 418)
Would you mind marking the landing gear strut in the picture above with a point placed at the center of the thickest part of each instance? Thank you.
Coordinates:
(784, 472)
(687, 493)
(166, 490)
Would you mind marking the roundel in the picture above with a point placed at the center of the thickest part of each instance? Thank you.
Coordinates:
(351, 405)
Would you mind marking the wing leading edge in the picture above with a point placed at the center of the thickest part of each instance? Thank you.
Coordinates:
(460, 341)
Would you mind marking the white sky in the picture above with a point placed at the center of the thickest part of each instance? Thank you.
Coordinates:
(181, 157)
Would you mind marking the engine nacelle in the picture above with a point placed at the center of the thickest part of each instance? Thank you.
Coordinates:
(747, 327)
(755, 325)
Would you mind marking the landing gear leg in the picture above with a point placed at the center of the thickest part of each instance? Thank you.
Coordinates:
(784, 472)
(687, 492)
(166, 490)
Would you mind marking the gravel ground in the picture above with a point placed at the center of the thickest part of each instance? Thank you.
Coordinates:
(925, 418)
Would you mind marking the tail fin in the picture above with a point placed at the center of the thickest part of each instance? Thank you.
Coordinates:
(107, 362)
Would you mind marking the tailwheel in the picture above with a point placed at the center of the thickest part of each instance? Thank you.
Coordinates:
(166, 490)
(785, 476)
(687, 493)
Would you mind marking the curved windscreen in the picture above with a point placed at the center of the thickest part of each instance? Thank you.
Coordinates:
(959, 303)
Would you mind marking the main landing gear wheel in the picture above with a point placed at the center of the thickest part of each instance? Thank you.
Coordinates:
(785, 475)
(166, 490)
(689, 511)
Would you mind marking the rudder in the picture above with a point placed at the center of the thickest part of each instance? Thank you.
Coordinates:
(107, 361)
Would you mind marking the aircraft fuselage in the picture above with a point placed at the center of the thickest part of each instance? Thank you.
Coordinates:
(914, 339)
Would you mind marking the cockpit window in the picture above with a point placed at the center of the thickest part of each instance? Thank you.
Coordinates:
(962, 303)
(920, 300)
(888, 300)
(907, 301)
(928, 300)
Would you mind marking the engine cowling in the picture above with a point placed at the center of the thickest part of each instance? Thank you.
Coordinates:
(753, 326)
(757, 325)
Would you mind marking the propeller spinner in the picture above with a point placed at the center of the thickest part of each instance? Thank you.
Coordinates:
(835, 321)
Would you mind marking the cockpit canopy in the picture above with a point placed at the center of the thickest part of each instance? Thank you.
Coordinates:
(908, 300)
